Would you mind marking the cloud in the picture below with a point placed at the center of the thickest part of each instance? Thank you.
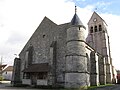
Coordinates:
(113, 31)
(103, 3)
(20, 18)
(81, 0)
(11, 45)
(15, 38)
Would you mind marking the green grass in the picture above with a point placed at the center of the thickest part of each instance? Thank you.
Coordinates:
(94, 87)
(72, 89)
(82, 88)
(89, 88)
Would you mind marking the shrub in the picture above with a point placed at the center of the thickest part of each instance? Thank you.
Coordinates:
(1, 78)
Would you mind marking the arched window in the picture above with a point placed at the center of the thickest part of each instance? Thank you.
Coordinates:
(29, 56)
(100, 28)
(91, 30)
(43, 36)
(88, 62)
(95, 28)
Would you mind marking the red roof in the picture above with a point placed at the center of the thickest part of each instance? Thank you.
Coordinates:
(9, 68)
(2, 66)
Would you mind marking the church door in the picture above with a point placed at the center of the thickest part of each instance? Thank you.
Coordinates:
(34, 79)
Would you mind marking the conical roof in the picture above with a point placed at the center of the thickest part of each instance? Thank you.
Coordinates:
(76, 21)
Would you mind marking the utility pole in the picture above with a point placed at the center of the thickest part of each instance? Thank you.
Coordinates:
(1, 60)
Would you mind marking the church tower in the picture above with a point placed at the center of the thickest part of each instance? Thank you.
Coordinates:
(98, 38)
(76, 74)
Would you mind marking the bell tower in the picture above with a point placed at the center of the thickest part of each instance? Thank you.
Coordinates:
(98, 39)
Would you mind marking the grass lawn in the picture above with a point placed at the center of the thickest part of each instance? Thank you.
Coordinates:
(94, 87)
(89, 88)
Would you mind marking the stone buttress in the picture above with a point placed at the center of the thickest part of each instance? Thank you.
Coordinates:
(102, 70)
(94, 73)
(16, 72)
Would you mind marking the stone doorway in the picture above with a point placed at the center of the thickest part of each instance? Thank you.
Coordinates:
(33, 79)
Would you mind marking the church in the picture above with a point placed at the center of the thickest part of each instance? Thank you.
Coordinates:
(61, 55)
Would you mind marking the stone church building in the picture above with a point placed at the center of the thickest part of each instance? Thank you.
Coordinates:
(61, 55)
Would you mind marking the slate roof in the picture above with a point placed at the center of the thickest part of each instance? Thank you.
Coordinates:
(2, 66)
(41, 67)
(76, 21)
(9, 68)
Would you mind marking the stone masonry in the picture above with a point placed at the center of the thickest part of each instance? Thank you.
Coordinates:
(61, 56)
(76, 61)
(16, 72)
(94, 76)
(98, 39)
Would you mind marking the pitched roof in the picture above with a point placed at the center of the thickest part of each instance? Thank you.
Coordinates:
(42, 67)
(94, 13)
(76, 21)
(9, 68)
(2, 66)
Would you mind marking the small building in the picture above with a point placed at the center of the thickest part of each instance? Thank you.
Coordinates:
(1, 68)
(7, 73)
(114, 80)
(118, 76)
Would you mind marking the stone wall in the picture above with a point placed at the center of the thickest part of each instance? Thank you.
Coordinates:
(72, 61)
(42, 82)
(94, 71)
(102, 70)
(41, 40)
(99, 40)
(16, 72)
(26, 81)
(76, 74)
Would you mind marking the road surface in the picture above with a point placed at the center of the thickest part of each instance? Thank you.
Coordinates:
(5, 85)
(113, 87)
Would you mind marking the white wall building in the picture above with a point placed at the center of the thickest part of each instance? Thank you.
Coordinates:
(7, 73)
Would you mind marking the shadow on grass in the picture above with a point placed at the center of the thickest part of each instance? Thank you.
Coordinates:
(61, 88)
(89, 88)
(101, 86)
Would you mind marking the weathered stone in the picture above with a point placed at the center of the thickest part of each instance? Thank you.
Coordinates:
(94, 77)
(76, 59)
(102, 70)
(16, 72)
(76, 80)
(72, 61)
(99, 40)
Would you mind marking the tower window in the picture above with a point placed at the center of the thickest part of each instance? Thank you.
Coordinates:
(91, 30)
(100, 28)
(95, 28)
(43, 36)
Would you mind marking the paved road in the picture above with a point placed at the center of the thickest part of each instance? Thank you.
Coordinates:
(114, 87)
(5, 85)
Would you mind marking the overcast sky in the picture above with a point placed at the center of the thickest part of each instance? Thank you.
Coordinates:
(20, 18)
